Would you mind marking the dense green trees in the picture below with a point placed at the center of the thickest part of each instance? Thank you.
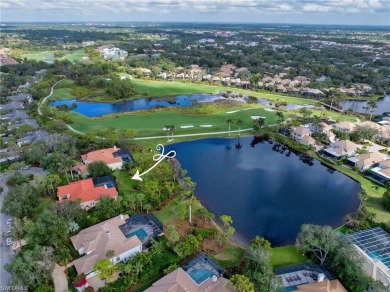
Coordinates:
(98, 168)
(329, 248)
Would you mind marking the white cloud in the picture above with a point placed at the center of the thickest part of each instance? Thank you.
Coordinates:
(240, 8)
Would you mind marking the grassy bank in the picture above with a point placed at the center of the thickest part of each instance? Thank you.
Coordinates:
(73, 56)
(151, 123)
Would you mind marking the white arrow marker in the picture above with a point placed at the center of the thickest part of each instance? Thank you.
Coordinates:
(156, 157)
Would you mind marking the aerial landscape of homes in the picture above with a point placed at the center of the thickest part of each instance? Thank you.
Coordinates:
(213, 157)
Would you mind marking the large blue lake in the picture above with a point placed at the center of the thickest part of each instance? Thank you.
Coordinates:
(268, 190)
(96, 109)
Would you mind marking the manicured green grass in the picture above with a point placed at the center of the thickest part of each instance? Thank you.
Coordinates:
(230, 256)
(124, 182)
(152, 123)
(40, 56)
(286, 255)
(373, 190)
(163, 88)
(75, 56)
(62, 93)
(344, 229)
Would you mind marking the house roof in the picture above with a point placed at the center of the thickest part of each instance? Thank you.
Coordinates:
(371, 125)
(368, 159)
(308, 139)
(100, 238)
(85, 191)
(180, 281)
(346, 145)
(302, 131)
(345, 125)
(325, 286)
(105, 155)
(386, 163)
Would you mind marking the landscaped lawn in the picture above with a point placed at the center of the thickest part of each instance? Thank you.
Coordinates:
(286, 255)
(230, 256)
(74, 56)
(374, 192)
(152, 123)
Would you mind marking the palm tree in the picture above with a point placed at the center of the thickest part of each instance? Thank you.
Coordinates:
(280, 116)
(239, 124)
(168, 129)
(110, 254)
(173, 128)
(190, 200)
(140, 198)
(229, 121)
(372, 104)
(147, 207)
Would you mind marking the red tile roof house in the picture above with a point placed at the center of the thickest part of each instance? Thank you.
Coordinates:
(109, 156)
(85, 191)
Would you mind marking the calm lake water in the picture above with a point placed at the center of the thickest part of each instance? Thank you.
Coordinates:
(383, 105)
(268, 190)
(96, 109)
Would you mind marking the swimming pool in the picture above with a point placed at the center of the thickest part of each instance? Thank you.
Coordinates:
(200, 276)
(141, 233)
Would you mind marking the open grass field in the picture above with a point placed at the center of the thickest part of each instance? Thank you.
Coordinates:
(152, 123)
(74, 56)
(285, 256)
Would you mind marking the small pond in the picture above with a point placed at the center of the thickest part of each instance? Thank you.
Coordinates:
(383, 105)
(268, 190)
(96, 109)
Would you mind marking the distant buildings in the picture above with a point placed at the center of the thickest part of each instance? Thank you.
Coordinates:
(110, 52)
(5, 59)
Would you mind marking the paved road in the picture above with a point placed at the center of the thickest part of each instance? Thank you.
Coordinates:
(35, 170)
(6, 253)
(44, 100)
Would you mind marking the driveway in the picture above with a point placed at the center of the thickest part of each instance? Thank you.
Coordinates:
(6, 254)
(35, 170)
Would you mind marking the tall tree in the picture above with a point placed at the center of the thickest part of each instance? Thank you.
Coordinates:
(229, 121)
(240, 283)
(239, 124)
(98, 168)
(105, 269)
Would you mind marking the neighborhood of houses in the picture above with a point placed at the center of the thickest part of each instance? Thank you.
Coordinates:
(371, 158)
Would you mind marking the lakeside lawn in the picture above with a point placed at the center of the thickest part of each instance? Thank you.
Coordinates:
(285, 256)
(373, 190)
(151, 123)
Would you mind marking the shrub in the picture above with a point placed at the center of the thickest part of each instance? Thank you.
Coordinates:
(386, 199)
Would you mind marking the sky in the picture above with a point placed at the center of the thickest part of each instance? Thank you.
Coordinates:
(347, 12)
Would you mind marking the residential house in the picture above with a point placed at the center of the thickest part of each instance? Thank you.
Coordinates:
(323, 128)
(94, 242)
(302, 135)
(373, 245)
(309, 278)
(227, 70)
(110, 52)
(12, 105)
(32, 137)
(187, 278)
(216, 79)
(347, 127)
(88, 191)
(366, 160)
(341, 148)
(112, 157)
(21, 97)
(381, 173)
(8, 61)
(281, 88)
(302, 79)
(313, 93)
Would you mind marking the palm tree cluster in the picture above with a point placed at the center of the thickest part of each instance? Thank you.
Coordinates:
(238, 122)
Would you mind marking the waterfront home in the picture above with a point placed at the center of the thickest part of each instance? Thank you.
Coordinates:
(347, 127)
(302, 135)
(374, 246)
(199, 275)
(366, 160)
(94, 242)
(341, 148)
(88, 191)
(381, 173)
(112, 157)
(308, 277)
